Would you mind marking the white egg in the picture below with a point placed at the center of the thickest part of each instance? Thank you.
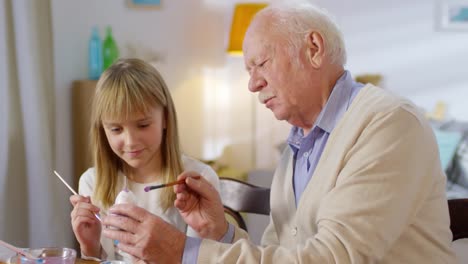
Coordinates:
(125, 196)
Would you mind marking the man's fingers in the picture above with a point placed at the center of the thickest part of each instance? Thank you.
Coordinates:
(129, 210)
(196, 184)
(202, 187)
(184, 196)
(184, 175)
(121, 222)
(180, 204)
(178, 188)
(132, 250)
(119, 235)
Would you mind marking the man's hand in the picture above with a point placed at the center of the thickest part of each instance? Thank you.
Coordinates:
(200, 206)
(144, 235)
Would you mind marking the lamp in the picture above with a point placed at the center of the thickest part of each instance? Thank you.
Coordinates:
(243, 14)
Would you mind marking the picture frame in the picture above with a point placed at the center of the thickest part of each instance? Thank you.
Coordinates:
(452, 15)
(144, 4)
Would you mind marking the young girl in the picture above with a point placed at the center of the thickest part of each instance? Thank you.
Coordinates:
(135, 144)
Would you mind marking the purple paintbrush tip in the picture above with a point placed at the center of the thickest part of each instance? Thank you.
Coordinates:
(147, 188)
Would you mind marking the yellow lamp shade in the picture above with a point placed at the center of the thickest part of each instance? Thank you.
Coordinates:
(243, 14)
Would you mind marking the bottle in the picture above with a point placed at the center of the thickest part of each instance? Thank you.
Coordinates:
(109, 49)
(94, 55)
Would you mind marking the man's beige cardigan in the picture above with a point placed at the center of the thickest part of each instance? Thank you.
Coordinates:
(377, 196)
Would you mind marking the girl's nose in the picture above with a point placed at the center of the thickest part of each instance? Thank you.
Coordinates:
(130, 137)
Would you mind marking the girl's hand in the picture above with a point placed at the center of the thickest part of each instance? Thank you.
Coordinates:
(86, 226)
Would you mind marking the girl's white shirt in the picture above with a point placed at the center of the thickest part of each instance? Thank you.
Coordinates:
(147, 200)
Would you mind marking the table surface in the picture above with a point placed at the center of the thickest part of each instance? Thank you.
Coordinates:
(78, 261)
(83, 261)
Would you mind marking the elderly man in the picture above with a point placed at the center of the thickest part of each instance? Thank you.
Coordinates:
(360, 181)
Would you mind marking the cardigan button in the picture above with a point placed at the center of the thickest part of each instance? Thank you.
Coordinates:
(294, 231)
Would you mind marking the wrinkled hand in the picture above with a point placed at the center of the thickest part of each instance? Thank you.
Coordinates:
(200, 206)
(86, 226)
(144, 235)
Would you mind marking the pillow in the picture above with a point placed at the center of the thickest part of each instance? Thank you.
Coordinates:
(447, 142)
(457, 166)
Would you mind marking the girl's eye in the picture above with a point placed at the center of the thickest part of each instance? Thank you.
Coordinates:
(143, 125)
(115, 129)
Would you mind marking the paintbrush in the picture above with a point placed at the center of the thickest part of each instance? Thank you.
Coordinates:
(159, 186)
(18, 250)
(73, 191)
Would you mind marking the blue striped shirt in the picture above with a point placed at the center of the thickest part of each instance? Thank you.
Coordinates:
(308, 149)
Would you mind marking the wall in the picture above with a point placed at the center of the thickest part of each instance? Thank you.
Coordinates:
(394, 38)
(208, 86)
(398, 40)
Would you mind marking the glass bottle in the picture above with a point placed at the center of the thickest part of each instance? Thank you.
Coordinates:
(109, 49)
(94, 55)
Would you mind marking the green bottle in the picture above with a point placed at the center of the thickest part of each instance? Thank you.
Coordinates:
(110, 52)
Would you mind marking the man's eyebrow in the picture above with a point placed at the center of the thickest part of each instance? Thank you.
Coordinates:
(250, 64)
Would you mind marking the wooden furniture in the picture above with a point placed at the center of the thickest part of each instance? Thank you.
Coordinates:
(82, 93)
(458, 209)
(78, 261)
(83, 261)
(238, 196)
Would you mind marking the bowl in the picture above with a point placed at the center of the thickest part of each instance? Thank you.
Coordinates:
(49, 255)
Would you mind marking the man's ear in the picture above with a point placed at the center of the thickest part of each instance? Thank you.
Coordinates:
(315, 49)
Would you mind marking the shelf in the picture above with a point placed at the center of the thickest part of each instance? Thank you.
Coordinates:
(82, 94)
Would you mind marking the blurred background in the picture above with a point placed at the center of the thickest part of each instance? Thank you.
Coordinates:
(412, 48)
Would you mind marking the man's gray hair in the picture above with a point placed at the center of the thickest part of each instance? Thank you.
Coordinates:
(295, 19)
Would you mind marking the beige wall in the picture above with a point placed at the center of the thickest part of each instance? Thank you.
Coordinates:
(394, 38)
(208, 86)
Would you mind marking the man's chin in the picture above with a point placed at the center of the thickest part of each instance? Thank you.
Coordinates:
(279, 116)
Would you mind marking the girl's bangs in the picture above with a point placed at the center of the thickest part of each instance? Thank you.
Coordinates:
(119, 101)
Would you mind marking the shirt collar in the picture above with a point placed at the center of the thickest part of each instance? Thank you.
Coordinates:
(334, 109)
(337, 103)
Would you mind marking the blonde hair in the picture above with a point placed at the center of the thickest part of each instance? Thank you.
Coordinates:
(131, 86)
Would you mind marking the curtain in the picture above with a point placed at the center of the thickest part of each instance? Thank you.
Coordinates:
(34, 212)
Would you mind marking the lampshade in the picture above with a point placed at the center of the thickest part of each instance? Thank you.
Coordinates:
(243, 14)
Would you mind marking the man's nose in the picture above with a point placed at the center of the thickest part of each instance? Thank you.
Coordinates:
(256, 83)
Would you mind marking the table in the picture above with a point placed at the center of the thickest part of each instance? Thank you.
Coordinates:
(78, 261)
(83, 261)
